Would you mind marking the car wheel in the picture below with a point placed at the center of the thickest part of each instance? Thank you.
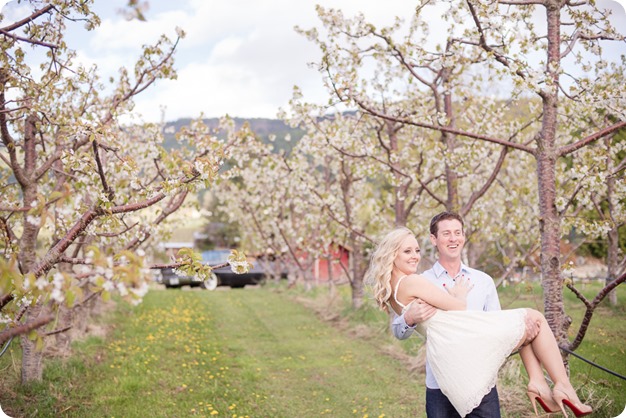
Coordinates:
(211, 283)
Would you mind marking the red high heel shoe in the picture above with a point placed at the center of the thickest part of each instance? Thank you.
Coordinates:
(579, 409)
(547, 403)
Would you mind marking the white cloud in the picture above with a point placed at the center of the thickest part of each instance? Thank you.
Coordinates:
(240, 57)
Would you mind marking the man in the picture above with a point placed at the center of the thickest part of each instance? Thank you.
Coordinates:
(448, 236)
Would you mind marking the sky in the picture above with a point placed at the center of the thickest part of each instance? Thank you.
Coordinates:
(240, 57)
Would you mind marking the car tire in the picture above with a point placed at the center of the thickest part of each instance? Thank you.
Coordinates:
(211, 283)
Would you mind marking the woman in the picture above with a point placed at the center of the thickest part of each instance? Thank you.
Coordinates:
(467, 348)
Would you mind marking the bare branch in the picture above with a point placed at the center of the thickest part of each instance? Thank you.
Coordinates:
(30, 41)
(71, 260)
(28, 19)
(454, 131)
(485, 187)
(116, 234)
(591, 138)
(58, 331)
(107, 189)
(7, 334)
(5, 300)
(52, 256)
(483, 41)
(520, 2)
(173, 205)
(15, 209)
(591, 306)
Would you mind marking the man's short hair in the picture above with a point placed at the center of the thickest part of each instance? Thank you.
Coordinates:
(444, 216)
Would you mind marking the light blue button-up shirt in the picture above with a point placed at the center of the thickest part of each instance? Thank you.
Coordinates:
(482, 297)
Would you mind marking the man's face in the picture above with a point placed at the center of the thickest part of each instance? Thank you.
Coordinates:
(449, 240)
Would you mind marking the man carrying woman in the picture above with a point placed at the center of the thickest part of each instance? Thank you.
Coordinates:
(465, 349)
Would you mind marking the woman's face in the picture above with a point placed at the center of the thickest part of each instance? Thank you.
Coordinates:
(408, 256)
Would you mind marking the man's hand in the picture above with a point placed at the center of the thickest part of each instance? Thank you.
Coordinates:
(419, 311)
(532, 329)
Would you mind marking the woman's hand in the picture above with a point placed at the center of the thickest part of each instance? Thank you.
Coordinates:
(461, 288)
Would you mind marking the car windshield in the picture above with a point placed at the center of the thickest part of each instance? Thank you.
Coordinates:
(215, 256)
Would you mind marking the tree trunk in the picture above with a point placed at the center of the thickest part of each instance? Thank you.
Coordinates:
(332, 291)
(452, 179)
(358, 271)
(63, 340)
(612, 260)
(32, 365)
(550, 220)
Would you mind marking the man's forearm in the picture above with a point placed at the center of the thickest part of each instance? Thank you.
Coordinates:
(401, 330)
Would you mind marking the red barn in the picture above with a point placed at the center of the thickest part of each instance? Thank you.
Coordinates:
(334, 266)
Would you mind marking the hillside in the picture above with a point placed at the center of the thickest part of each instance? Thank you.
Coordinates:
(263, 128)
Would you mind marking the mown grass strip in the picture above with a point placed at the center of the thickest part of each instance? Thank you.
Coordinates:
(246, 353)
(255, 352)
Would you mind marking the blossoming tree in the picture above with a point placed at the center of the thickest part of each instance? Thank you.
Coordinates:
(564, 92)
(83, 195)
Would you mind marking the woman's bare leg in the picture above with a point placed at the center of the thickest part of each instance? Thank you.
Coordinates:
(537, 385)
(546, 351)
(533, 368)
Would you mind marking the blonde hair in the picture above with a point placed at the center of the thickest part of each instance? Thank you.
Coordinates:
(378, 274)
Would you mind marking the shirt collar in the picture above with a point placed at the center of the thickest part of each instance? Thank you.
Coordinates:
(439, 270)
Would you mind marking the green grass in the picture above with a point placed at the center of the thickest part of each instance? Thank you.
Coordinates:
(604, 344)
(273, 352)
(229, 353)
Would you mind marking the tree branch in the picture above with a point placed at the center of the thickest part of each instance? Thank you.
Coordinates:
(485, 187)
(591, 306)
(483, 41)
(58, 331)
(591, 138)
(454, 131)
(29, 19)
(5, 300)
(6, 335)
(107, 189)
(30, 41)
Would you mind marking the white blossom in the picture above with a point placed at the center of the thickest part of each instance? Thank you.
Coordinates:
(121, 287)
(108, 285)
(57, 295)
(41, 283)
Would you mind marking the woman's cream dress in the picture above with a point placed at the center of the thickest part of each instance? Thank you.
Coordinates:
(465, 350)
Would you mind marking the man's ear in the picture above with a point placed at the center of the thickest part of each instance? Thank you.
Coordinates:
(433, 240)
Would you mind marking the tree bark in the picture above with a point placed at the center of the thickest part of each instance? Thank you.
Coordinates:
(546, 155)
(358, 272)
(612, 260)
(32, 365)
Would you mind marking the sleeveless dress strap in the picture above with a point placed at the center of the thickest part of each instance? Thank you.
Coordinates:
(395, 294)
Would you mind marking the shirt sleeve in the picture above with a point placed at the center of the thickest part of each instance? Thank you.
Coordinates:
(492, 301)
(399, 327)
